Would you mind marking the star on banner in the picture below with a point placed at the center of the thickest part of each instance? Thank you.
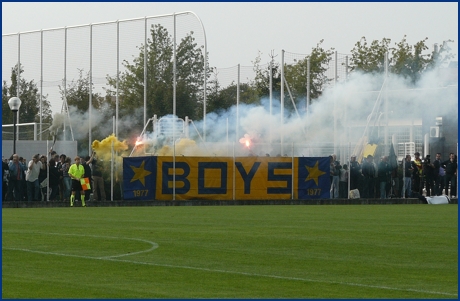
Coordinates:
(140, 173)
(314, 173)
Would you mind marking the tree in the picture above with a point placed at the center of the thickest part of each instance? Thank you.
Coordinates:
(410, 62)
(77, 94)
(30, 100)
(296, 75)
(189, 78)
(404, 59)
(221, 99)
(369, 59)
(262, 79)
(217, 101)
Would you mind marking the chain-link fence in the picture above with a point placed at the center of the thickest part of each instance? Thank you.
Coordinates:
(55, 58)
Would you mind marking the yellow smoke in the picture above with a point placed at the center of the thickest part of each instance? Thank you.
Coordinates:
(184, 147)
(103, 148)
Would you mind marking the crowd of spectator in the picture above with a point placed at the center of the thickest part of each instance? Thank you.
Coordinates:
(34, 180)
(409, 178)
(41, 179)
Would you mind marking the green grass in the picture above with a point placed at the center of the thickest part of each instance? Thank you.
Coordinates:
(388, 251)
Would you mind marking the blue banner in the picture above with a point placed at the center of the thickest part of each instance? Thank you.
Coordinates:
(313, 178)
(139, 178)
(225, 178)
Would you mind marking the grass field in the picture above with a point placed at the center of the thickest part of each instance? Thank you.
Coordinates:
(356, 251)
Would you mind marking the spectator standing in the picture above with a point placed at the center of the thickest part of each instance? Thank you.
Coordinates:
(441, 178)
(396, 176)
(23, 181)
(417, 174)
(66, 179)
(343, 183)
(98, 186)
(335, 173)
(454, 194)
(451, 175)
(437, 175)
(429, 176)
(59, 164)
(5, 174)
(53, 180)
(43, 178)
(16, 175)
(77, 172)
(33, 171)
(368, 170)
(384, 173)
(355, 173)
(408, 169)
(86, 165)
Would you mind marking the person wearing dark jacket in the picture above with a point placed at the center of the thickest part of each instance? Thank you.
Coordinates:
(451, 174)
(16, 175)
(428, 174)
(384, 173)
(98, 180)
(368, 170)
(408, 169)
(438, 175)
(417, 174)
(53, 180)
(86, 165)
(42, 178)
(355, 173)
(4, 179)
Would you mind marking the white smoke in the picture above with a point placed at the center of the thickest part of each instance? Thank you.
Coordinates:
(333, 117)
(80, 121)
(58, 121)
(351, 102)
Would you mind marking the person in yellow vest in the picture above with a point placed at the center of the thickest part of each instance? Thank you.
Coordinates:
(76, 172)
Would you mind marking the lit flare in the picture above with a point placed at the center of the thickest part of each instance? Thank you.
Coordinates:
(246, 140)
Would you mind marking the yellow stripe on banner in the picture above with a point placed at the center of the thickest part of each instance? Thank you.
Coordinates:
(196, 178)
(256, 178)
(262, 178)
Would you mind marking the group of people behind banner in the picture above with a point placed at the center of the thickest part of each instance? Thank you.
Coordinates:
(410, 178)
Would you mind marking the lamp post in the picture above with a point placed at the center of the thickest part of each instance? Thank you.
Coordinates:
(14, 104)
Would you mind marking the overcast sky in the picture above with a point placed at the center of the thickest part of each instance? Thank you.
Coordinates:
(237, 31)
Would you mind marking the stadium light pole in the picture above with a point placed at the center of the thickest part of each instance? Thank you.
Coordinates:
(14, 104)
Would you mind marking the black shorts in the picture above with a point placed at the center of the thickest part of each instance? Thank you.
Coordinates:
(76, 185)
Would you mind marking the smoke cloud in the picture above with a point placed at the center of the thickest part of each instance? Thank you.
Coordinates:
(58, 121)
(341, 114)
(104, 148)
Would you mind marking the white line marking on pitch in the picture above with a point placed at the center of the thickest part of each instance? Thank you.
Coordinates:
(235, 272)
(154, 245)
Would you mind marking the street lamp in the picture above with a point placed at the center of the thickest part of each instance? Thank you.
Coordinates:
(14, 104)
